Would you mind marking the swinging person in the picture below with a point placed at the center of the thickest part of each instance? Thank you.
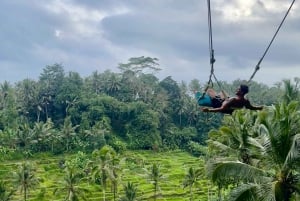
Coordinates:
(222, 103)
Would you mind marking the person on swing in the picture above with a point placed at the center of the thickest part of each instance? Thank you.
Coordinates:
(221, 103)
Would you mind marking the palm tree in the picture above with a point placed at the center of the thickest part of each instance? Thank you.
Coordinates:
(113, 83)
(291, 92)
(51, 136)
(24, 136)
(276, 176)
(191, 178)
(41, 133)
(155, 177)
(236, 138)
(103, 159)
(68, 132)
(113, 174)
(96, 135)
(5, 193)
(130, 191)
(70, 185)
(4, 88)
(27, 97)
(25, 179)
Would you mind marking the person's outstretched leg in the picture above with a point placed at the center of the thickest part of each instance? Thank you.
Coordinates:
(212, 93)
(204, 99)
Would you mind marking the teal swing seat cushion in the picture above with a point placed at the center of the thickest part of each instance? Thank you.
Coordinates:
(203, 100)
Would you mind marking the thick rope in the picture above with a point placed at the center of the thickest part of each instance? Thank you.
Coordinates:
(211, 53)
(211, 50)
(267, 49)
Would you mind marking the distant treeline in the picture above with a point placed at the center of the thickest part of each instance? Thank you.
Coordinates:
(131, 109)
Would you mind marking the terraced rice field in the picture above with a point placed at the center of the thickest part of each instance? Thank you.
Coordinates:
(173, 168)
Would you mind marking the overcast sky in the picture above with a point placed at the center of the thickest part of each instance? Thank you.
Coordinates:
(95, 35)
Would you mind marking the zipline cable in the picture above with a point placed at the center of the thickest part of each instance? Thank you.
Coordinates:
(267, 49)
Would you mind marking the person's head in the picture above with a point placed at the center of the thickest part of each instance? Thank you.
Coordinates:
(242, 90)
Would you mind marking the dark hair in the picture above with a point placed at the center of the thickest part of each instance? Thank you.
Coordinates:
(244, 88)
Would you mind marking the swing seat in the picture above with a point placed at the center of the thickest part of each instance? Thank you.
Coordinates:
(203, 99)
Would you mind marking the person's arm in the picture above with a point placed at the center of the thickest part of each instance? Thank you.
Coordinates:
(249, 106)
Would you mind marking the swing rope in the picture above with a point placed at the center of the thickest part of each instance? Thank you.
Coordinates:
(268, 47)
(211, 51)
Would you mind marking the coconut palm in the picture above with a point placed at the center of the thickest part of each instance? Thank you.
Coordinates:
(155, 177)
(236, 138)
(130, 191)
(102, 167)
(276, 176)
(191, 178)
(68, 133)
(291, 91)
(25, 178)
(113, 174)
(70, 185)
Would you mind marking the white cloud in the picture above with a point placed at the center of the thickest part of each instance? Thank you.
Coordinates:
(83, 21)
(242, 10)
(97, 35)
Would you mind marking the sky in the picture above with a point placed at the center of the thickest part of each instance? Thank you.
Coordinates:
(85, 36)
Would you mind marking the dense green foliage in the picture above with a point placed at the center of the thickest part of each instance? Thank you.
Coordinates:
(257, 156)
(63, 112)
(103, 116)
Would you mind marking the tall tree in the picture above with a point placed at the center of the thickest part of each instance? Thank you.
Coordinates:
(290, 91)
(68, 133)
(27, 96)
(155, 177)
(24, 137)
(141, 64)
(112, 83)
(131, 71)
(174, 98)
(69, 94)
(102, 166)
(41, 133)
(26, 179)
(97, 134)
(70, 185)
(9, 115)
(130, 191)
(50, 82)
(191, 179)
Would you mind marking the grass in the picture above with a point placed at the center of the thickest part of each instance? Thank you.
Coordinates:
(173, 167)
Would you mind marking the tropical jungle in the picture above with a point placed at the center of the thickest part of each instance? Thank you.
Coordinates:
(129, 136)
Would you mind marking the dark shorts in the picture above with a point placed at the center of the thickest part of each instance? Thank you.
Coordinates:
(217, 102)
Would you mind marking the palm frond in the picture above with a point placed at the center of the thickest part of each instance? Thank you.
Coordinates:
(235, 171)
(244, 192)
(293, 155)
(253, 192)
(255, 143)
(265, 191)
(220, 146)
